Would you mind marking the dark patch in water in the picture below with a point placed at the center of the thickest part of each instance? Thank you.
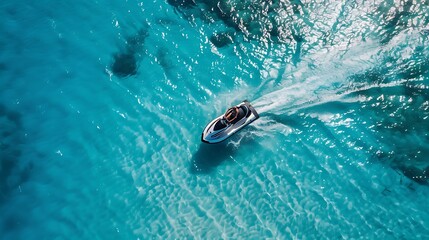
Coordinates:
(125, 63)
(3, 67)
(12, 174)
(11, 223)
(135, 43)
(400, 113)
(210, 156)
(416, 68)
(299, 39)
(396, 23)
(163, 59)
(297, 6)
(221, 11)
(386, 191)
(182, 3)
(403, 146)
(222, 39)
(418, 175)
(258, 21)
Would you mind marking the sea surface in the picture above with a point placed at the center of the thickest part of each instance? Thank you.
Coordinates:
(102, 105)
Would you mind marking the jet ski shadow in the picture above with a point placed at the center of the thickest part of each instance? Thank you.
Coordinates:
(209, 156)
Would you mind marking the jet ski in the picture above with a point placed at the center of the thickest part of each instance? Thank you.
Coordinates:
(232, 121)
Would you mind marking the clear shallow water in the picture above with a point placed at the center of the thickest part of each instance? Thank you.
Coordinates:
(102, 106)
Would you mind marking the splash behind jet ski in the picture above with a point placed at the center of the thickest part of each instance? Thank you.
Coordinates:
(232, 121)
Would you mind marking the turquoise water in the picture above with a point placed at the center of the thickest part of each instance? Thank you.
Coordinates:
(102, 105)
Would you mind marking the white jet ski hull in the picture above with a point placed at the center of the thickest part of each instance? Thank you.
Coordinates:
(216, 132)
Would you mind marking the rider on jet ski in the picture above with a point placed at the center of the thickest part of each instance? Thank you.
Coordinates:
(233, 114)
(224, 126)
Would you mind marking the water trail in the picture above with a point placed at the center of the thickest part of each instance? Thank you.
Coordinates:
(319, 79)
(296, 103)
(325, 76)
